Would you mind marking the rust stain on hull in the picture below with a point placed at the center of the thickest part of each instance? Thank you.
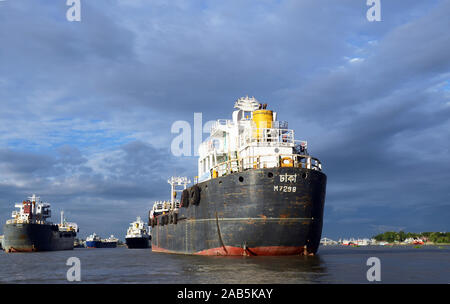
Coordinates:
(12, 249)
(255, 251)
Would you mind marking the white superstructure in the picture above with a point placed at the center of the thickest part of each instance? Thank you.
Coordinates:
(34, 211)
(137, 229)
(252, 139)
(111, 239)
(93, 237)
(31, 211)
(65, 225)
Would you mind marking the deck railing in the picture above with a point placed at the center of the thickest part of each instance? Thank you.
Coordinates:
(266, 161)
(267, 137)
(165, 206)
(255, 137)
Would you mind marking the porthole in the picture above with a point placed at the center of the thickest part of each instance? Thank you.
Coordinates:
(270, 174)
(304, 175)
(241, 179)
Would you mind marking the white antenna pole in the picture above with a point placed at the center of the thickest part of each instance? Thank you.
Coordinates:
(172, 188)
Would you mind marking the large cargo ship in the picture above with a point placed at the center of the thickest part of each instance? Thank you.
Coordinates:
(258, 192)
(95, 241)
(137, 235)
(29, 230)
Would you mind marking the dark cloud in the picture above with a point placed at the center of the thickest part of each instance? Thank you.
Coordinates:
(69, 155)
(24, 163)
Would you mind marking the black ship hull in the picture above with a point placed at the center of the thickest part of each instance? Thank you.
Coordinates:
(100, 244)
(137, 243)
(36, 237)
(274, 211)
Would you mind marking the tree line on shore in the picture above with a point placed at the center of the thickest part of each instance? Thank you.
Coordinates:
(392, 236)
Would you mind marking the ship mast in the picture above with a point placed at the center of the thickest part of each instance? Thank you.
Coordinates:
(177, 181)
(33, 199)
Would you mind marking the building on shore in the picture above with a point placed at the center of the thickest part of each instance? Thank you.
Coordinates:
(326, 241)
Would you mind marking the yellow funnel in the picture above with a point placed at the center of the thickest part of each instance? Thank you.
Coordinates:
(263, 119)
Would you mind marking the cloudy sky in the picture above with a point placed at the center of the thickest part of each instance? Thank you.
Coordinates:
(86, 108)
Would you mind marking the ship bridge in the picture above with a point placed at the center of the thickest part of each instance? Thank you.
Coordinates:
(253, 138)
(32, 210)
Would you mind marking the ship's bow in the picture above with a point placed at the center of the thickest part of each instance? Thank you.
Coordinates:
(276, 211)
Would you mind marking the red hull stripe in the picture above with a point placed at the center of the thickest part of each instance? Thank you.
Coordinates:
(255, 251)
(12, 249)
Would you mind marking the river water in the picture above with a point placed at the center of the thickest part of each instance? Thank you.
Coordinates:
(333, 264)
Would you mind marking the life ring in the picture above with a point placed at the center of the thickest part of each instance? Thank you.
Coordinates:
(185, 198)
(287, 162)
(194, 195)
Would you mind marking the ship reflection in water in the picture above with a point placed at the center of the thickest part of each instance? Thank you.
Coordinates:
(333, 264)
(257, 270)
